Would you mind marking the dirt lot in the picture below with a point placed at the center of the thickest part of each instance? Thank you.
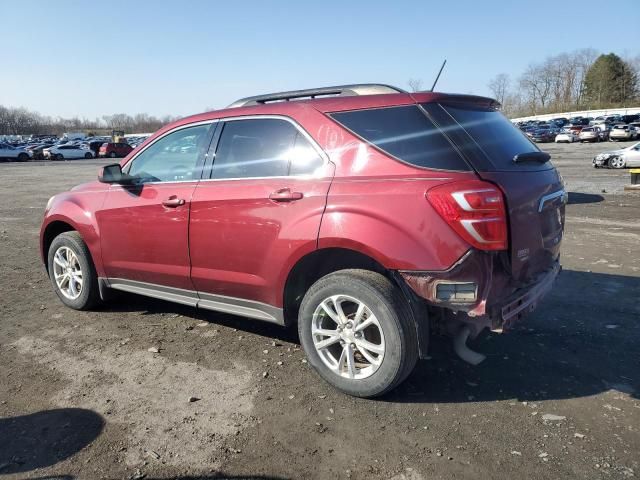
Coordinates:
(82, 397)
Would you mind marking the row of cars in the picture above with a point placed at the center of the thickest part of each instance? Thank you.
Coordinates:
(53, 148)
(583, 129)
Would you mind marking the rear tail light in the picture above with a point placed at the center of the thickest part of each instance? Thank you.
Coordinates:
(475, 210)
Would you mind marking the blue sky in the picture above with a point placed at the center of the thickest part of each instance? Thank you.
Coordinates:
(179, 57)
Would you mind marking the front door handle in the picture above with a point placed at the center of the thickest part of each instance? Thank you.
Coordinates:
(285, 195)
(173, 201)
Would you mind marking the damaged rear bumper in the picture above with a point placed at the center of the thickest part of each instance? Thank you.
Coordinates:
(489, 297)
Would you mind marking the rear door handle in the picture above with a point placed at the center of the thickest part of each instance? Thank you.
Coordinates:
(285, 195)
(173, 201)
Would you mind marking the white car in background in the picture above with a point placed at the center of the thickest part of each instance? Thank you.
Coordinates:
(625, 157)
(66, 151)
(14, 153)
(566, 136)
(623, 132)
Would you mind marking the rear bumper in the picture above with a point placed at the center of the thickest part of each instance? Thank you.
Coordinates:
(523, 301)
(499, 301)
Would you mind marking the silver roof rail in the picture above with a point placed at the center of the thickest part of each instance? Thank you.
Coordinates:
(338, 90)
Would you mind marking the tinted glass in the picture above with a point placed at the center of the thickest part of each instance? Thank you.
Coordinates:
(174, 157)
(405, 133)
(495, 135)
(254, 148)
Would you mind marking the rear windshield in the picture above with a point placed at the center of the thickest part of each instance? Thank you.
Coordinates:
(405, 133)
(493, 133)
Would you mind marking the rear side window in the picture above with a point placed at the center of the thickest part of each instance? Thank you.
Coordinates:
(257, 148)
(492, 132)
(405, 133)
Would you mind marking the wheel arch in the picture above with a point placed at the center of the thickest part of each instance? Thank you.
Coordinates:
(50, 232)
(315, 265)
(319, 263)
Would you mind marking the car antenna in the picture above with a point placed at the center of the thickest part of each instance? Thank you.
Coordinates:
(438, 77)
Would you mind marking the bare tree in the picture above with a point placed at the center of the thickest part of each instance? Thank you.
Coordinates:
(499, 86)
(415, 84)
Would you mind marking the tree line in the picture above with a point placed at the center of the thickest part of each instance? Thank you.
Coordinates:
(20, 121)
(579, 80)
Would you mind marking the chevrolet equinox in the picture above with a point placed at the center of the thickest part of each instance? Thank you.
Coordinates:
(372, 218)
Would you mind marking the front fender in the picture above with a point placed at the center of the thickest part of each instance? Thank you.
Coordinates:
(77, 211)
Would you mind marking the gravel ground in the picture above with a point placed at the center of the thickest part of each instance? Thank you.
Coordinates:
(81, 395)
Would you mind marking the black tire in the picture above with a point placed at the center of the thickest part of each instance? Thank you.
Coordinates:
(59, 156)
(389, 306)
(88, 155)
(112, 155)
(90, 294)
(23, 157)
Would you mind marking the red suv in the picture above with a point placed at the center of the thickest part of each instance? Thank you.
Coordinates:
(114, 150)
(366, 215)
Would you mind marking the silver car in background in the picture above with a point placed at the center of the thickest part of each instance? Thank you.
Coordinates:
(625, 157)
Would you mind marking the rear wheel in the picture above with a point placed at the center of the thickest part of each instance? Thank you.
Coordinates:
(59, 156)
(88, 155)
(358, 332)
(113, 155)
(72, 272)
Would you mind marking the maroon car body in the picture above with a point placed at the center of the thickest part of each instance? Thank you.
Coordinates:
(259, 241)
(114, 150)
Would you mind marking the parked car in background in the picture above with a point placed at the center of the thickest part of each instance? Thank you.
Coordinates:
(635, 117)
(37, 150)
(114, 150)
(623, 132)
(625, 157)
(66, 151)
(9, 152)
(566, 136)
(560, 121)
(543, 135)
(94, 146)
(589, 134)
(300, 212)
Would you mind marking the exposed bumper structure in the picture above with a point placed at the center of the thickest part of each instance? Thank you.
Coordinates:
(497, 301)
(525, 300)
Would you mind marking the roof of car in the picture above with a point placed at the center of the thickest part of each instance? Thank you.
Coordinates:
(337, 104)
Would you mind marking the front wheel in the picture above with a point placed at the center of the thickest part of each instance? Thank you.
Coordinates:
(113, 155)
(72, 272)
(23, 157)
(88, 155)
(357, 331)
(617, 162)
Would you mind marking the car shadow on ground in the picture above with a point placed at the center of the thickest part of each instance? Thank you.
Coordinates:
(45, 438)
(582, 198)
(581, 341)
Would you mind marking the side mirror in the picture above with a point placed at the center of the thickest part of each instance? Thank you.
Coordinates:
(113, 174)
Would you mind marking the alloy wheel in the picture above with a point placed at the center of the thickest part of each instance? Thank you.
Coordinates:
(67, 272)
(348, 337)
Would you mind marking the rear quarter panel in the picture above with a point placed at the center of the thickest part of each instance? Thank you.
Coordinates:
(377, 205)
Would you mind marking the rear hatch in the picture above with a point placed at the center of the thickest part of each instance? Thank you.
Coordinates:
(504, 156)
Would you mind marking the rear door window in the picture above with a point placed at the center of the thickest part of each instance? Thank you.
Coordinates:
(259, 148)
(405, 133)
